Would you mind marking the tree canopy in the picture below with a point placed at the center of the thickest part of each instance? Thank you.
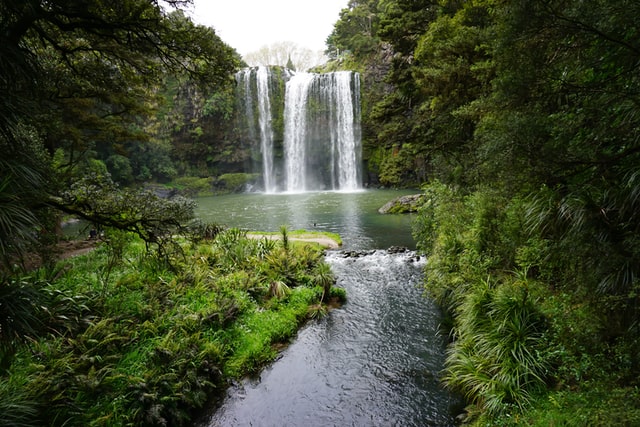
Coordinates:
(83, 76)
(286, 54)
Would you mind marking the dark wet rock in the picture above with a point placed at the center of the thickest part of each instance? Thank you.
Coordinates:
(356, 254)
(397, 250)
(162, 192)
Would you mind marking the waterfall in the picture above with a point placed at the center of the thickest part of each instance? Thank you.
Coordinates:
(266, 132)
(345, 132)
(254, 85)
(316, 143)
(295, 131)
(322, 132)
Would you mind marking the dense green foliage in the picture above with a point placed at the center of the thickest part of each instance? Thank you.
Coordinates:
(519, 118)
(81, 84)
(125, 340)
(522, 118)
(131, 334)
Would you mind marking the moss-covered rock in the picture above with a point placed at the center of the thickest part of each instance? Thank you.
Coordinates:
(234, 182)
(403, 204)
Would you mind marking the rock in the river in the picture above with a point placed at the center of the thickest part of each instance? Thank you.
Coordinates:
(356, 254)
(403, 204)
(397, 250)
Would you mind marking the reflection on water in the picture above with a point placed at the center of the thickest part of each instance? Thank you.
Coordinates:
(354, 216)
(350, 217)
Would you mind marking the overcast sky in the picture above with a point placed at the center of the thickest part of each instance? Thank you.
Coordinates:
(247, 25)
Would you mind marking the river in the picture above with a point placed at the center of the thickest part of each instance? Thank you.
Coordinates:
(373, 362)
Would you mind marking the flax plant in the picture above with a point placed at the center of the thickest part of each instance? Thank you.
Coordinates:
(495, 360)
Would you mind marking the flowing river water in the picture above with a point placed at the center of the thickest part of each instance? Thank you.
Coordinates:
(376, 360)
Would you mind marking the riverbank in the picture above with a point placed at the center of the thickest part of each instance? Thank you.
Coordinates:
(324, 239)
(133, 338)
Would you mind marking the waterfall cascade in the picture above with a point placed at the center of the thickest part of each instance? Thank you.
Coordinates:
(266, 131)
(306, 127)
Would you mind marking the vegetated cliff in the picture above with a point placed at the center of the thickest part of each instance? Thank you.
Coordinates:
(204, 134)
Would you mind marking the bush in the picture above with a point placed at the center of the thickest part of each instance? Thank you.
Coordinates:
(234, 182)
(496, 359)
(193, 185)
(473, 242)
(467, 237)
(523, 311)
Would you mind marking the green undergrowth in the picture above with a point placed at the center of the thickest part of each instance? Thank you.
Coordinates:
(600, 405)
(536, 340)
(253, 337)
(129, 339)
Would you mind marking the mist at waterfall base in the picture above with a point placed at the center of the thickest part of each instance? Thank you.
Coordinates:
(304, 128)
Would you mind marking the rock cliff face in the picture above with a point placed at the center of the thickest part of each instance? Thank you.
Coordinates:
(201, 128)
(190, 102)
(375, 88)
(377, 70)
(403, 204)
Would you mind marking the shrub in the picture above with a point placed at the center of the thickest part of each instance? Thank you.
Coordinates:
(473, 241)
(193, 185)
(495, 360)
(234, 182)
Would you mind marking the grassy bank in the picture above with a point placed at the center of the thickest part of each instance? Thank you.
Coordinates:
(130, 339)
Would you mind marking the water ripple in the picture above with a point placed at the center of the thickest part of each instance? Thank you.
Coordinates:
(373, 362)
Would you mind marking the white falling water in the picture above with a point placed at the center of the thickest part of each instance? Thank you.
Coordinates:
(266, 131)
(322, 134)
(295, 131)
(319, 146)
(345, 134)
